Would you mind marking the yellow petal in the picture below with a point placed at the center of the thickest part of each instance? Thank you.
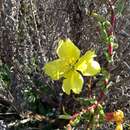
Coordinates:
(87, 65)
(55, 69)
(82, 63)
(66, 87)
(118, 116)
(119, 126)
(92, 69)
(74, 82)
(67, 50)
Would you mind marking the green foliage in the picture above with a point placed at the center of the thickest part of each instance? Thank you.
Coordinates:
(30, 95)
(5, 78)
(66, 117)
(119, 7)
(86, 101)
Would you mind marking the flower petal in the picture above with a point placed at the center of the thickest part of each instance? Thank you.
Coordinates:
(92, 69)
(82, 63)
(55, 69)
(119, 126)
(87, 65)
(74, 82)
(66, 87)
(67, 50)
(118, 116)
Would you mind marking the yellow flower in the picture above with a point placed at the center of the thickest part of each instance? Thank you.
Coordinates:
(119, 126)
(118, 118)
(69, 64)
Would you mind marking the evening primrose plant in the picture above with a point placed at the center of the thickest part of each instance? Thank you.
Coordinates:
(70, 65)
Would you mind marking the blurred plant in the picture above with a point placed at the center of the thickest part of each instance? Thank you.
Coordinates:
(120, 7)
(30, 95)
(4, 76)
(118, 117)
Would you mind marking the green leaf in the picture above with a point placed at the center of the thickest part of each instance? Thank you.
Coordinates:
(108, 57)
(110, 39)
(104, 35)
(5, 75)
(86, 101)
(66, 117)
(106, 24)
(115, 45)
(105, 73)
(101, 113)
(99, 17)
(76, 121)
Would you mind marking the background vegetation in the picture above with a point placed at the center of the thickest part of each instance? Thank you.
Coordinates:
(29, 33)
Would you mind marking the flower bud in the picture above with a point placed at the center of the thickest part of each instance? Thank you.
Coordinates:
(106, 81)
